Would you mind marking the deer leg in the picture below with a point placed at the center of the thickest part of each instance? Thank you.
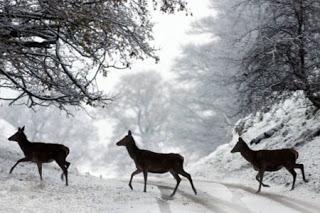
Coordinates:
(145, 176)
(178, 179)
(133, 174)
(67, 164)
(188, 176)
(260, 177)
(64, 169)
(40, 169)
(294, 175)
(19, 161)
(301, 167)
(264, 185)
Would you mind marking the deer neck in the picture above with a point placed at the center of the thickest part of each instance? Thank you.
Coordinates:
(248, 154)
(133, 150)
(25, 145)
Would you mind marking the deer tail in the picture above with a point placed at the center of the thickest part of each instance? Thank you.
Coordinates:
(296, 154)
(66, 149)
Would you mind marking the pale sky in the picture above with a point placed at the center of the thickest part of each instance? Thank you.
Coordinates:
(171, 32)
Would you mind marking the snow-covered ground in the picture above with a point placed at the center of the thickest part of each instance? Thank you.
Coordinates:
(225, 182)
(298, 126)
(23, 192)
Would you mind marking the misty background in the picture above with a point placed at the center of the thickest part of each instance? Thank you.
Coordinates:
(168, 108)
(213, 65)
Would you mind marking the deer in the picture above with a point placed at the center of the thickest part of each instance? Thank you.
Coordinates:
(40, 153)
(270, 161)
(148, 161)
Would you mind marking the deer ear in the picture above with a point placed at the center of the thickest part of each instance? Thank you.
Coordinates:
(22, 129)
(241, 139)
(129, 132)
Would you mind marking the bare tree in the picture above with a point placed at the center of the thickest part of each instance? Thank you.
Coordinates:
(142, 106)
(206, 104)
(285, 54)
(51, 52)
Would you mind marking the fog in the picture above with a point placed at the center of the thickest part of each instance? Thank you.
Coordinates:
(167, 105)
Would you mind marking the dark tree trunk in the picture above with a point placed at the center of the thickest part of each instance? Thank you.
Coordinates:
(302, 56)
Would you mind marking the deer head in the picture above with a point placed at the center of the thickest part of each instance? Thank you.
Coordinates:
(126, 140)
(239, 145)
(18, 136)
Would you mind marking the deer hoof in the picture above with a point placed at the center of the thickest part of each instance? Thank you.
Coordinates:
(130, 187)
(306, 181)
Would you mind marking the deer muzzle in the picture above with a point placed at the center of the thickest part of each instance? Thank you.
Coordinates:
(234, 150)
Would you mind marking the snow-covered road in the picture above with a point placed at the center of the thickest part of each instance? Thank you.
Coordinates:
(228, 197)
(23, 192)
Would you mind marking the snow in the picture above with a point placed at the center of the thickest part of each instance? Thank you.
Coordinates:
(224, 181)
(297, 122)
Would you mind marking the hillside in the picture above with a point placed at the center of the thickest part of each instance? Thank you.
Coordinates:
(292, 123)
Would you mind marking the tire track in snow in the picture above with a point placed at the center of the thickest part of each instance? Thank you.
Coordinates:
(290, 202)
(242, 199)
(163, 203)
(164, 206)
(204, 199)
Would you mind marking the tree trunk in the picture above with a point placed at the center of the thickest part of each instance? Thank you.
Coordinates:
(302, 55)
(315, 100)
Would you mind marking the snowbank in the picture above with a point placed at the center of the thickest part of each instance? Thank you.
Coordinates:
(299, 128)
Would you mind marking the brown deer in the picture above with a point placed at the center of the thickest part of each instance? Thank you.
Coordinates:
(41, 153)
(270, 161)
(147, 161)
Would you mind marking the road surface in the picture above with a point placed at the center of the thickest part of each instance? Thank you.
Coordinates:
(22, 191)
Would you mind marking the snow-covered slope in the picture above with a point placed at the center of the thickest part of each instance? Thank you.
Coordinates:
(297, 126)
